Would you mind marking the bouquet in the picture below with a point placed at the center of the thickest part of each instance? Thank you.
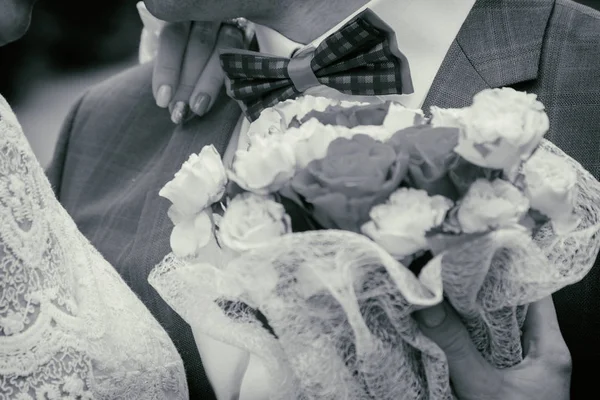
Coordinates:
(312, 250)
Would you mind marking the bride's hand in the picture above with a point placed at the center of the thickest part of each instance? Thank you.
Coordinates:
(544, 373)
(187, 75)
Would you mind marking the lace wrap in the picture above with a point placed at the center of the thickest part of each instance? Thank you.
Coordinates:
(69, 326)
(341, 307)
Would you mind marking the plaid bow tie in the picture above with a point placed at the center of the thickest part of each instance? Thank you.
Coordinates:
(359, 59)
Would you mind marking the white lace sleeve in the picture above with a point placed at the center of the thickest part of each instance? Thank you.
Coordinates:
(69, 326)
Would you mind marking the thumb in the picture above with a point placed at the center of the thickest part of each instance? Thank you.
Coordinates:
(467, 366)
(541, 332)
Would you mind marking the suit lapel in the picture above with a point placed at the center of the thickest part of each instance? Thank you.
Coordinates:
(500, 44)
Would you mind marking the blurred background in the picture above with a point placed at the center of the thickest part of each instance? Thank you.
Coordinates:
(70, 46)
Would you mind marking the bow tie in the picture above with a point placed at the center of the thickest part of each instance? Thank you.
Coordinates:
(359, 59)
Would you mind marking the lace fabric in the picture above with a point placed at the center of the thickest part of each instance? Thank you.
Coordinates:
(70, 328)
(341, 307)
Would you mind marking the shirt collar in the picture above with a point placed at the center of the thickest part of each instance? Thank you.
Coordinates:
(424, 29)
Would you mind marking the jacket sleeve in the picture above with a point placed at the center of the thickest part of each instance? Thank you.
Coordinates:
(54, 171)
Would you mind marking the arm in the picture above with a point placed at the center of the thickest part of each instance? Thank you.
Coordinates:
(61, 302)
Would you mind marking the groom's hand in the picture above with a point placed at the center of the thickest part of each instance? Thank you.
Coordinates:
(544, 374)
(187, 72)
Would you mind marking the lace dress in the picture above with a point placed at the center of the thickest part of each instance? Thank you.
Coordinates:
(70, 328)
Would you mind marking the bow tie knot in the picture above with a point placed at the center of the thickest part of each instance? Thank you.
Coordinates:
(300, 71)
(359, 59)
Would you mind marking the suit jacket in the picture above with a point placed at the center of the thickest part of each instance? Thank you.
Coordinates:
(117, 149)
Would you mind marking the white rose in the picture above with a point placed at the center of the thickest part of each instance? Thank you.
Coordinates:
(500, 129)
(276, 119)
(447, 117)
(379, 133)
(400, 225)
(265, 167)
(199, 183)
(190, 235)
(490, 205)
(302, 105)
(252, 221)
(550, 186)
(400, 117)
(270, 122)
(311, 140)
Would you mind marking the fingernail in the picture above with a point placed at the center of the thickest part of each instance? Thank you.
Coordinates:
(163, 96)
(201, 103)
(179, 112)
(432, 317)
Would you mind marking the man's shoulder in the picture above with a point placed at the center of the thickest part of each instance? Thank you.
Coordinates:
(572, 41)
(121, 104)
(124, 89)
(577, 17)
(578, 9)
(568, 81)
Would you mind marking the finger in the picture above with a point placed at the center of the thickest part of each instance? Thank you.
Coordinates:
(211, 80)
(201, 42)
(224, 357)
(152, 24)
(541, 332)
(171, 50)
(150, 34)
(441, 324)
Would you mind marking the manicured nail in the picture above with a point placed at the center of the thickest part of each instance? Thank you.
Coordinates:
(432, 317)
(163, 96)
(201, 103)
(179, 112)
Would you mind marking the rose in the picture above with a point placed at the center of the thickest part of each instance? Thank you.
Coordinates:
(550, 186)
(378, 120)
(296, 109)
(350, 117)
(400, 117)
(491, 205)
(190, 235)
(391, 115)
(311, 140)
(270, 122)
(500, 129)
(251, 221)
(276, 119)
(199, 183)
(432, 156)
(355, 174)
(265, 167)
(400, 225)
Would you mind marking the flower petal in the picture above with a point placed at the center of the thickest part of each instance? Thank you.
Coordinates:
(399, 245)
(264, 168)
(252, 221)
(191, 235)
